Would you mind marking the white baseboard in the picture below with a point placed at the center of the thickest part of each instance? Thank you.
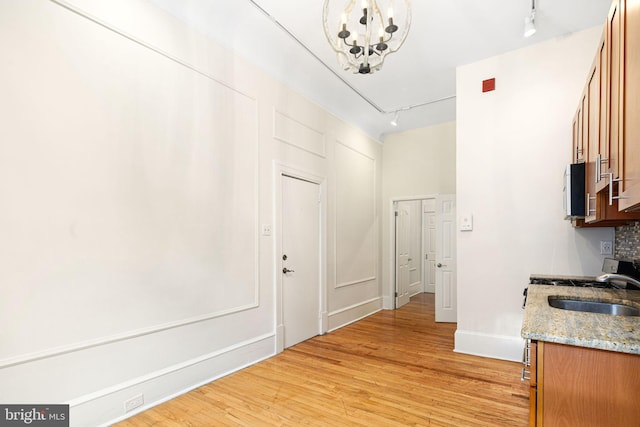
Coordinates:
(486, 345)
(106, 407)
(339, 318)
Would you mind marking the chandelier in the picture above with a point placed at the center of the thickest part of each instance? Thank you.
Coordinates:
(363, 36)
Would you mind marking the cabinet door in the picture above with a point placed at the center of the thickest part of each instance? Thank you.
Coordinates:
(592, 120)
(603, 143)
(533, 384)
(589, 387)
(613, 29)
(630, 106)
(578, 152)
(575, 125)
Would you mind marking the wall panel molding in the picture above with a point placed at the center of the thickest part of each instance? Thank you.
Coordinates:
(356, 230)
(297, 134)
(347, 315)
(132, 223)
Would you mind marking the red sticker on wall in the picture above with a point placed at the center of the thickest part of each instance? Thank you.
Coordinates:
(488, 85)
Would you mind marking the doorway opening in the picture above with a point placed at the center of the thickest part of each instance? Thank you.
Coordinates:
(423, 255)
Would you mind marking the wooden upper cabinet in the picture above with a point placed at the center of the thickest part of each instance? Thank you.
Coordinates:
(629, 185)
(601, 207)
(607, 131)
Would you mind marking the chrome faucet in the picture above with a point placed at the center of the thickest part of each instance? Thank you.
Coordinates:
(609, 277)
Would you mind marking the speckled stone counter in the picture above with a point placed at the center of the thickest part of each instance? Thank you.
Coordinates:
(545, 323)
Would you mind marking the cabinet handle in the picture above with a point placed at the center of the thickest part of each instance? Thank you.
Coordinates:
(611, 196)
(589, 199)
(599, 162)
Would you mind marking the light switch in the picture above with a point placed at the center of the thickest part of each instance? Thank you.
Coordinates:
(466, 222)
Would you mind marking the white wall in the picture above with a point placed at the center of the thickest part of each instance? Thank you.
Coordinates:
(512, 146)
(420, 162)
(138, 162)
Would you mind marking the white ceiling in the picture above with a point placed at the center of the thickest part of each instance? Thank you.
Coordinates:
(444, 34)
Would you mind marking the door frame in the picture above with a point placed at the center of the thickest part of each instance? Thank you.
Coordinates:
(392, 243)
(279, 171)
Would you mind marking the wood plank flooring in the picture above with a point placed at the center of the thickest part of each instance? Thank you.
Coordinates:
(395, 368)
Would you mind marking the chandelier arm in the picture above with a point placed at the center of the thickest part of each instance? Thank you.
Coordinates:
(405, 31)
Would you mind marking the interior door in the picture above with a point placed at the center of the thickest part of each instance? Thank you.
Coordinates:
(300, 259)
(403, 228)
(429, 244)
(446, 294)
(415, 247)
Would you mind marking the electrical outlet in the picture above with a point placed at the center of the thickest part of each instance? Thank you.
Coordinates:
(266, 230)
(133, 403)
(606, 247)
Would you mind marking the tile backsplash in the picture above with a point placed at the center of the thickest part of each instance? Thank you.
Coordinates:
(628, 242)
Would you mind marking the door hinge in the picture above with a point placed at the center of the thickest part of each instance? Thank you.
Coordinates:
(396, 295)
(426, 256)
(396, 213)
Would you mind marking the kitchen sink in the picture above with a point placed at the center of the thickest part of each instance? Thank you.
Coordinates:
(603, 307)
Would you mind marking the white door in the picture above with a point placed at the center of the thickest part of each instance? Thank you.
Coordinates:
(429, 244)
(403, 228)
(415, 247)
(300, 260)
(446, 297)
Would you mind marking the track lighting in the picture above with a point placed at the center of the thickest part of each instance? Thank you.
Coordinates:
(394, 122)
(529, 21)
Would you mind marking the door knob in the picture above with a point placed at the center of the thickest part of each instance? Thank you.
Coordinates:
(286, 270)
(439, 265)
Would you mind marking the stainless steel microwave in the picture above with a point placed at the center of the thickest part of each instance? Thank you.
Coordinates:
(574, 191)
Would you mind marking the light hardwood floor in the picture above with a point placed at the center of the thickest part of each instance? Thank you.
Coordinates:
(394, 368)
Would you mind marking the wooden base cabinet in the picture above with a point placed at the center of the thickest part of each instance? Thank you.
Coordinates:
(578, 386)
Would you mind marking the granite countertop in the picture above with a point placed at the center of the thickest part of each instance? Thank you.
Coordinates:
(603, 331)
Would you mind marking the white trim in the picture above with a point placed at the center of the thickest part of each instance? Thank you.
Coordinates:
(283, 138)
(166, 384)
(488, 345)
(347, 315)
(354, 282)
(85, 345)
(80, 12)
(375, 223)
(169, 370)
